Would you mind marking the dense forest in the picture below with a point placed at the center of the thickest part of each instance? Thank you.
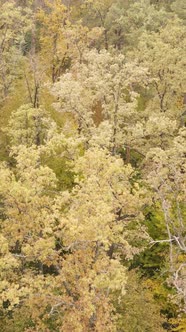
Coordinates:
(92, 165)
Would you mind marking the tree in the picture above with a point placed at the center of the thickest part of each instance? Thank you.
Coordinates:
(167, 178)
(53, 21)
(95, 232)
(138, 309)
(108, 80)
(62, 247)
(15, 22)
(178, 7)
(30, 126)
(166, 63)
(26, 230)
(126, 21)
(161, 117)
(97, 10)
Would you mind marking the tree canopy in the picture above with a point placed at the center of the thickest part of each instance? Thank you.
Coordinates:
(92, 166)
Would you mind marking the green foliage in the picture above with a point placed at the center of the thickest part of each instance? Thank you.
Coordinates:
(29, 126)
(138, 310)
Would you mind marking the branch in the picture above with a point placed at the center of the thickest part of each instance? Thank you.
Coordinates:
(162, 241)
(20, 255)
(128, 146)
(177, 239)
(60, 304)
(176, 280)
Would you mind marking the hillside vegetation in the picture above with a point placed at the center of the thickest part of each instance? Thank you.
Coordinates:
(92, 166)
